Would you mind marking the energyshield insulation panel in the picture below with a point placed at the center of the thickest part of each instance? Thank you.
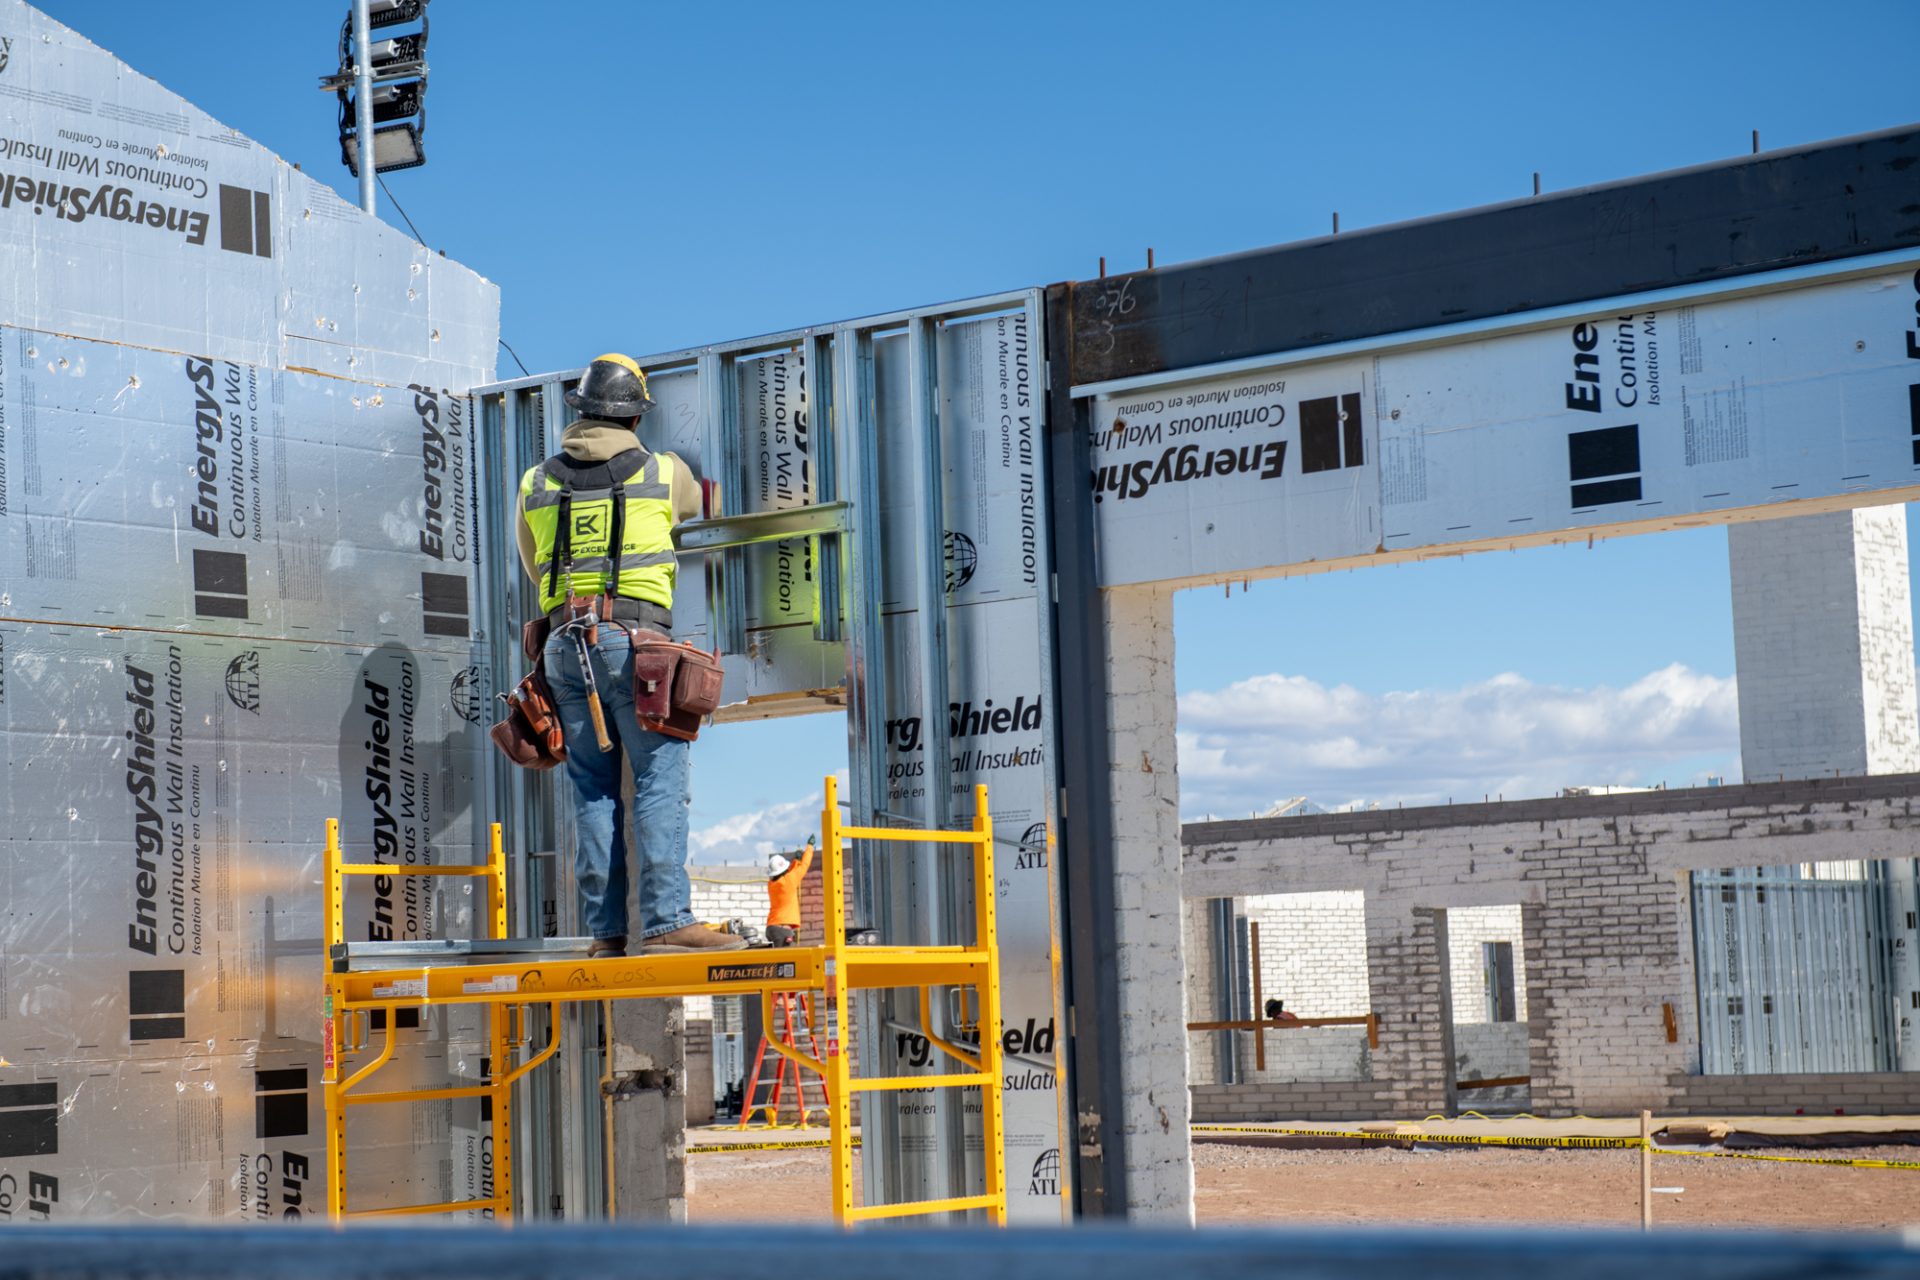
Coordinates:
(128, 214)
(1642, 418)
(176, 492)
(159, 896)
(240, 596)
(999, 726)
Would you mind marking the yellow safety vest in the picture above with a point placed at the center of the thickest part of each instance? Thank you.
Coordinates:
(577, 556)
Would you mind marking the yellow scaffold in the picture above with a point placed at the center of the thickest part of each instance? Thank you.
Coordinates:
(512, 985)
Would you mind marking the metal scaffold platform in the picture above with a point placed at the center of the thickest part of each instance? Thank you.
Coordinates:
(506, 978)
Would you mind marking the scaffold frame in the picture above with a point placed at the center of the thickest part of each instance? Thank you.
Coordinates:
(508, 987)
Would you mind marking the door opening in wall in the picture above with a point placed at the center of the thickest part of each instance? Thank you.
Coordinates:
(1296, 963)
(1491, 1069)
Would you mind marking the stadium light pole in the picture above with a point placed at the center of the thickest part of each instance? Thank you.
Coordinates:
(363, 101)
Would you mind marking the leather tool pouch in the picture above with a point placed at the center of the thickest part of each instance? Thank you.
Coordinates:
(675, 686)
(533, 638)
(529, 734)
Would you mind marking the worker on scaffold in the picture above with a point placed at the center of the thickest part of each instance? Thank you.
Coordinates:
(596, 537)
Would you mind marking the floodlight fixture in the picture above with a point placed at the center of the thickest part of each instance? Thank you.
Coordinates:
(398, 146)
(384, 55)
(397, 101)
(384, 83)
(387, 13)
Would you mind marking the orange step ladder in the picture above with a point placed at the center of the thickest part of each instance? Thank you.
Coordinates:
(785, 1005)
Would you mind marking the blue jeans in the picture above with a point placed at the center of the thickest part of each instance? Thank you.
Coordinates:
(662, 791)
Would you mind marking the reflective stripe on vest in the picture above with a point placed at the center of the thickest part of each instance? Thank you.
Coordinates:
(647, 569)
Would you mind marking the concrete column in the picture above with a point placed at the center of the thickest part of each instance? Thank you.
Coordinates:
(1823, 643)
(647, 1096)
(645, 1093)
(1145, 789)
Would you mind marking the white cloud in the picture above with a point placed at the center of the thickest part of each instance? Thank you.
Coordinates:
(751, 836)
(1258, 740)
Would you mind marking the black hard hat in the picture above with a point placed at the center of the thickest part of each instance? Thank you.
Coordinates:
(612, 387)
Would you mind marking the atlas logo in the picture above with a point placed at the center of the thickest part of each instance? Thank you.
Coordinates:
(1033, 849)
(962, 560)
(243, 681)
(1045, 1179)
(467, 695)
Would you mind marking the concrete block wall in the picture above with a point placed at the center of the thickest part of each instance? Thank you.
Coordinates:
(1823, 642)
(1884, 594)
(1243, 1103)
(1313, 950)
(1412, 992)
(1202, 990)
(1602, 883)
(1888, 1093)
(1144, 789)
(722, 893)
(1310, 1054)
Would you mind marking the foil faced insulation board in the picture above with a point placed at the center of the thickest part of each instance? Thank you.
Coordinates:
(1619, 422)
(129, 215)
(239, 594)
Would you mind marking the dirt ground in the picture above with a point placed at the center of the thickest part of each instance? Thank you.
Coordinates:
(1450, 1186)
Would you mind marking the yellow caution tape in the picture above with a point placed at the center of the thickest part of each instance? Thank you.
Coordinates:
(1468, 1140)
(805, 1144)
(1507, 1140)
(1750, 1155)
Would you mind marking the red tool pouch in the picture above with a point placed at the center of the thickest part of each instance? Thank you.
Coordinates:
(533, 638)
(529, 734)
(675, 686)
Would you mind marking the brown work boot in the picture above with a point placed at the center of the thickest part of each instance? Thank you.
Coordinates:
(692, 937)
(606, 948)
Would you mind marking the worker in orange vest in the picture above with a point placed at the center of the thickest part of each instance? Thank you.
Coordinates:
(784, 875)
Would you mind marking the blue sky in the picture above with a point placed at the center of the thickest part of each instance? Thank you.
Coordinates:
(646, 177)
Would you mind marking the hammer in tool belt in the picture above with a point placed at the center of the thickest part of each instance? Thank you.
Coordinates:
(584, 630)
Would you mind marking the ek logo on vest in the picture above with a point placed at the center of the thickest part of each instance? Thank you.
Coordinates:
(586, 524)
